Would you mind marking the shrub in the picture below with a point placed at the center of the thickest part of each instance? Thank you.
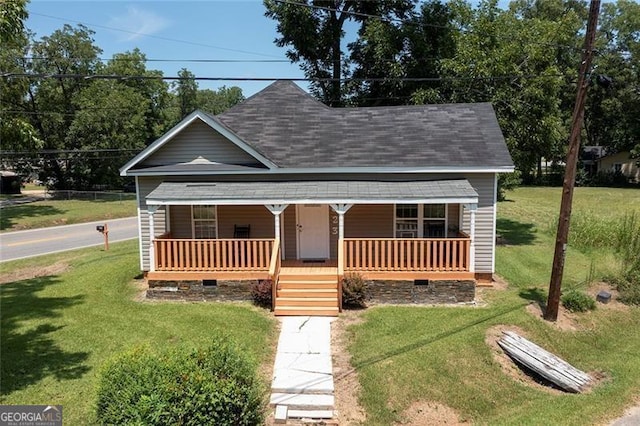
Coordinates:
(354, 291)
(628, 286)
(261, 293)
(507, 182)
(578, 301)
(215, 385)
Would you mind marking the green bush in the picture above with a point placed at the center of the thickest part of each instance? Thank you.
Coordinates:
(354, 291)
(578, 301)
(215, 385)
(507, 182)
(261, 292)
(628, 285)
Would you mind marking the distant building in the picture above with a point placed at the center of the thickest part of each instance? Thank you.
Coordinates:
(620, 162)
(9, 182)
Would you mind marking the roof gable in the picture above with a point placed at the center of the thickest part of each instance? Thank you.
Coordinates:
(197, 135)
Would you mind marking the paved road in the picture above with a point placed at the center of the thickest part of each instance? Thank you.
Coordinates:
(36, 242)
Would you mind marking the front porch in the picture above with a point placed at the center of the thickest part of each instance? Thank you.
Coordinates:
(415, 236)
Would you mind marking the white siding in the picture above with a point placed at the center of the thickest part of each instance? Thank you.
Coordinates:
(145, 186)
(198, 139)
(484, 185)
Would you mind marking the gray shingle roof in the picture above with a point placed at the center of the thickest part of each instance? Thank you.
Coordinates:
(315, 191)
(292, 129)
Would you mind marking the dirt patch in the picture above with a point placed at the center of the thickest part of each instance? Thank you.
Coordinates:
(34, 272)
(511, 369)
(429, 413)
(614, 304)
(140, 284)
(345, 377)
(566, 320)
(499, 283)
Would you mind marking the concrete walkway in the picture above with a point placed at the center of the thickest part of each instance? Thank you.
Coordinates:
(303, 375)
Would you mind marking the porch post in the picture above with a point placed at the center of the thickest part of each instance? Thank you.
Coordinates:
(276, 210)
(472, 235)
(341, 209)
(151, 210)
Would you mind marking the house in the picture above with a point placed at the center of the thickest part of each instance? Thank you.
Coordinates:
(284, 188)
(622, 163)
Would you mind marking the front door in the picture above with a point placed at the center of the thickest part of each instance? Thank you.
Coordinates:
(313, 231)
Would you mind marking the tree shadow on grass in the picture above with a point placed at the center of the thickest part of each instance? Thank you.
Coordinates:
(534, 294)
(9, 216)
(515, 233)
(30, 351)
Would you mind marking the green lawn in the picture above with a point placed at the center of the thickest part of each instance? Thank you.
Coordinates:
(57, 330)
(42, 214)
(438, 354)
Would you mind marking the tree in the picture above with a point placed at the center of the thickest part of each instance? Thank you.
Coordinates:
(51, 102)
(218, 101)
(111, 118)
(409, 48)
(314, 30)
(12, 16)
(155, 91)
(16, 131)
(613, 106)
(510, 58)
(186, 90)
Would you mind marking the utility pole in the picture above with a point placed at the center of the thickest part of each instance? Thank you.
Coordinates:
(553, 302)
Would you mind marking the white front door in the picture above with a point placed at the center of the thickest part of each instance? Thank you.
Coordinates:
(313, 231)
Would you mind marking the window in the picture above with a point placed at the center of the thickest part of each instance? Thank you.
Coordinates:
(421, 220)
(617, 168)
(406, 221)
(204, 222)
(434, 219)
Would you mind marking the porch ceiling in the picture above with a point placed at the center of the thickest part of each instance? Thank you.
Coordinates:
(314, 192)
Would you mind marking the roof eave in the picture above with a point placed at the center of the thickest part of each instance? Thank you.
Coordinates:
(330, 170)
(265, 201)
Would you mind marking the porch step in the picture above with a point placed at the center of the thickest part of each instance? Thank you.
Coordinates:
(307, 284)
(308, 292)
(307, 301)
(303, 276)
(306, 311)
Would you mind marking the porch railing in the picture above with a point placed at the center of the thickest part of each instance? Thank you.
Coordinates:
(274, 271)
(413, 254)
(213, 255)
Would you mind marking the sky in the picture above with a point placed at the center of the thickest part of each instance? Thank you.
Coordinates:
(179, 30)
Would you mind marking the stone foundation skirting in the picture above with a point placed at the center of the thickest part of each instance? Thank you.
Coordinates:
(194, 290)
(378, 291)
(407, 292)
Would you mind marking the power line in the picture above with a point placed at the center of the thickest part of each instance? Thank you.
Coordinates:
(320, 79)
(193, 43)
(44, 58)
(70, 151)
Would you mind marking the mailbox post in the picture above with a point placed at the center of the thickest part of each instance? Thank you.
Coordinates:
(104, 230)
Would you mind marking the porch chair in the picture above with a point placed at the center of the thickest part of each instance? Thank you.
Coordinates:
(241, 231)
